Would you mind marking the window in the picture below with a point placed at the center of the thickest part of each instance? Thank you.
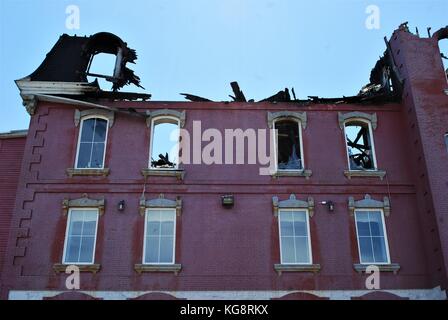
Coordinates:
(289, 146)
(159, 240)
(92, 143)
(80, 237)
(295, 246)
(164, 149)
(360, 148)
(372, 238)
(446, 141)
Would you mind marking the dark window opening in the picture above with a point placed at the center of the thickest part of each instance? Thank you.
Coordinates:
(165, 144)
(446, 141)
(359, 146)
(288, 151)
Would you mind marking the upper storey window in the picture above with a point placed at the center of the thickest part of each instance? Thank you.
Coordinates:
(164, 152)
(289, 144)
(360, 148)
(92, 143)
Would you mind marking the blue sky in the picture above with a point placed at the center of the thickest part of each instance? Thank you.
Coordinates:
(199, 46)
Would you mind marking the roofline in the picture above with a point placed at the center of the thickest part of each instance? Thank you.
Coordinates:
(13, 134)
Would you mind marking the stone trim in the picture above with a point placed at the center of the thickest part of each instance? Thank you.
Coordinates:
(93, 268)
(178, 173)
(393, 267)
(181, 115)
(296, 268)
(72, 172)
(290, 173)
(84, 202)
(365, 173)
(298, 116)
(293, 203)
(94, 112)
(160, 202)
(343, 117)
(369, 203)
(141, 268)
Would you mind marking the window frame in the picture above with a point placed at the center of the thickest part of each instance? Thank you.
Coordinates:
(151, 141)
(310, 251)
(445, 140)
(79, 141)
(372, 142)
(275, 132)
(174, 238)
(70, 210)
(386, 240)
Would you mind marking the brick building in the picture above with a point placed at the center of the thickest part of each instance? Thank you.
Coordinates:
(355, 181)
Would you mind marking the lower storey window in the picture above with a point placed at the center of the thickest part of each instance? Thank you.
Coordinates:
(295, 246)
(159, 245)
(80, 236)
(372, 238)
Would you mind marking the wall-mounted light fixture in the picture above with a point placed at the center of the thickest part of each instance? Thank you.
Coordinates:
(121, 205)
(228, 201)
(329, 204)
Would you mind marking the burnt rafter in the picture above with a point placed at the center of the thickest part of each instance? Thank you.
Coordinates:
(239, 95)
(194, 98)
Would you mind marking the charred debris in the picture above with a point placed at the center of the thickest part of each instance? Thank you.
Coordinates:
(63, 77)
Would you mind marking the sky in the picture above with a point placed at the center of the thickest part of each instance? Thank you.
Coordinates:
(319, 47)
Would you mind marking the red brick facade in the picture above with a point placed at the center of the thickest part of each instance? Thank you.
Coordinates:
(235, 250)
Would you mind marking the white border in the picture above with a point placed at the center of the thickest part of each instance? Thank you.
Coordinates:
(174, 238)
(69, 216)
(385, 237)
(79, 140)
(310, 253)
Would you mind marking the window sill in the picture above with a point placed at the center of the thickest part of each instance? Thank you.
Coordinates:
(292, 173)
(93, 268)
(365, 173)
(71, 172)
(179, 174)
(296, 268)
(175, 268)
(393, 267)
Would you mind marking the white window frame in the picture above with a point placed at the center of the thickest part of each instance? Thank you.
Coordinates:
(160, 119)
(299, 123)
(445, 140)
(173, 261)
(306, 212)
(384, 232)
(79, 140)
(349, 121)
(66, 236)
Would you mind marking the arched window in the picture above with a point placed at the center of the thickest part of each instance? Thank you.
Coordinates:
(164, 149)
(92, 139)
(359, 143)
(289, 155)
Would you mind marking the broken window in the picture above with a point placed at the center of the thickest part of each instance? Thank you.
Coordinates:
(92, 143)
(101, 66)
(164, 143)
(289, 150)
(359, 142)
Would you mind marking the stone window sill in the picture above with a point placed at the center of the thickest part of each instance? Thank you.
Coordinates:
(93, 268)
(293, 173)
(175, 268)
(296, 268)
(179, 174)
(365, 173)
(393, 267)
(71, 172)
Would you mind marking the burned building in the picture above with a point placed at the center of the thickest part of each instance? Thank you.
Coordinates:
(356, 182)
